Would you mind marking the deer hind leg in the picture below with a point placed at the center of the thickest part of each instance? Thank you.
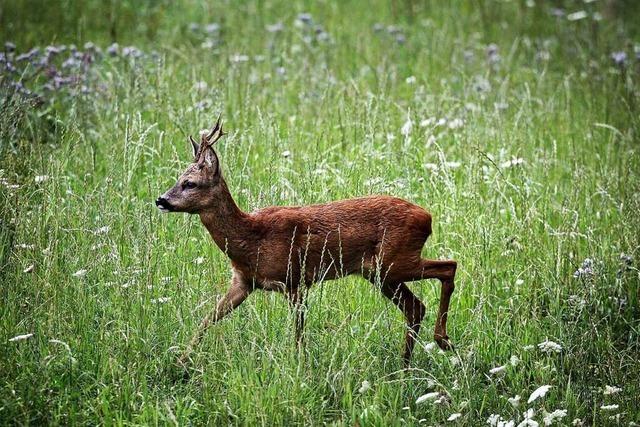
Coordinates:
(443, 270)
(236, 294)
(413, 310)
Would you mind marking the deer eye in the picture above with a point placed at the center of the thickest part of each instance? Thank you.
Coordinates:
(189, 184)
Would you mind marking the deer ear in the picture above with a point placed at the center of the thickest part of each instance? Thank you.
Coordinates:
(195, 146)
(211, 158)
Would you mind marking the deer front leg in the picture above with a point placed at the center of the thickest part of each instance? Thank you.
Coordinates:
(296, 301)
(413, 310)
(236, 294)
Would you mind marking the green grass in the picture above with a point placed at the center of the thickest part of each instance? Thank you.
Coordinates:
(517, 231)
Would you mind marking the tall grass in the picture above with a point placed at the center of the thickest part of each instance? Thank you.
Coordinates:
(525, 152)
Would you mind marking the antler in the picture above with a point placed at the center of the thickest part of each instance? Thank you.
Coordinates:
(215, 134)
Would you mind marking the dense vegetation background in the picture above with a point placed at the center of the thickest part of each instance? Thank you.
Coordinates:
(514, 122)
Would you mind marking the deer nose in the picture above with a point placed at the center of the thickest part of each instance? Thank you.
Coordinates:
(163, 204)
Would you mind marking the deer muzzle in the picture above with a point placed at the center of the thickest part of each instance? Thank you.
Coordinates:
(164, 205)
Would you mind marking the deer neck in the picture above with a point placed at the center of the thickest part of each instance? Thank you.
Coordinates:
(228, 225)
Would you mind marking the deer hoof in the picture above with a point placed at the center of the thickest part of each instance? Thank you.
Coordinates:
(443, 342)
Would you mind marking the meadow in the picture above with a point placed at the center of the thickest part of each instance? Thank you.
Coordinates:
(515, 123)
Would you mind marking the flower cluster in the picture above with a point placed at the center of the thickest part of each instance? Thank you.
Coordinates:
(57, 71)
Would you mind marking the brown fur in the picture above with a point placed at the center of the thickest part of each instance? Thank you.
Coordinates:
(287, 249)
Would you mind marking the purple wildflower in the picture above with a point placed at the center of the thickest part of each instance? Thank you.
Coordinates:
(131, 51)
(392, 29)
(275, 28)
(619, 58)
(113, 49)
(212, 28)
(52, 50)
(586, 269)
(468, 55)
(71, 62)
(305, 18)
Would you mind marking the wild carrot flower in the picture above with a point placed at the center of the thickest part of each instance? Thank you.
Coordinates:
(454, 417)
(609, 390)
(20, 337)
(538, 393)
(551, 417)
(427, 397)
(609, 407)
(366, 386)
(514, 401)
(80, 273)
(550, 347)
(499, 370)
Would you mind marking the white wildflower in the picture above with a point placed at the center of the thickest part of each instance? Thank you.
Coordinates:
(102, 230)
(453, 165)
(528, 422)
(576, 16)
(493, 419)
(577, 422)
(550, 347)
(456, 124)
(80, 273)
(200, 86)
(366, 386)
(427, 122)
(529, 413)
(609, 407)
(528, 347)
(29, 269)
(406, 127)
(20, 337)
(429, 347)
(238, 58)
(515, 400)
(499, 370)
(454, 417)
(25, 246)
(161, 300)
(442, 400)
(496, 420)
(551, 417)
(41, 178)
(411, 80)
(427, 397)
(538, 393)
(62, 343)
(514, 360)
(515, 161)
(609, 390)
(286, 154)
(519, 282)
(199, 260)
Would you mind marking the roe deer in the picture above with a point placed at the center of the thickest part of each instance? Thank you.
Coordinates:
(287, 249)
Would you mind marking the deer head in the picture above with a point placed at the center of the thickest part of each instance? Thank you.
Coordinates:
(199, 186)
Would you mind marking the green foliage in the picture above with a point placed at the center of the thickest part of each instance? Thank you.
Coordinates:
(525, 152)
